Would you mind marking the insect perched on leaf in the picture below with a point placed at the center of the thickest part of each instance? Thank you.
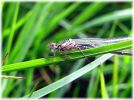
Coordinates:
(85, 43)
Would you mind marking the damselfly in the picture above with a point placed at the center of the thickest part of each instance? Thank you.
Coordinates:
(85, 43)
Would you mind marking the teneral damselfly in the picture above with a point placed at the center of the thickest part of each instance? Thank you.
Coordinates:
(85, 43)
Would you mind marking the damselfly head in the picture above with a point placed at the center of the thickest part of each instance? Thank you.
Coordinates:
(53, 46)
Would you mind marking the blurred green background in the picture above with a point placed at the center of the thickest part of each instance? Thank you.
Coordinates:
(28, 27)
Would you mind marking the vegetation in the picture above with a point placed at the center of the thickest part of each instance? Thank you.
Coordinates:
(31, 71)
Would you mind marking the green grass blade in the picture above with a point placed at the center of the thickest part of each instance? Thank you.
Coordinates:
(9, 13)
(29, 82)
(59, 93)
(17, 24)
(124, 28)
(102, 82)
(71, 56)
(76, 91)
(9, 85)
(88, 12)
(115, 76)
(64, 81)
(127, 61)
(62, 15)
(120, 15)
(9, 45)
(26, 36)
(93, 84)
(113, 28)
(19, 47)
(128, 89)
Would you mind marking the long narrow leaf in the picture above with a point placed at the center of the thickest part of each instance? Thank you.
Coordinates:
(64, 81)
(121, 15)
(71, 56)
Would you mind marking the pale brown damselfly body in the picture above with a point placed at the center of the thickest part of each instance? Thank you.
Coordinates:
(85, 43)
